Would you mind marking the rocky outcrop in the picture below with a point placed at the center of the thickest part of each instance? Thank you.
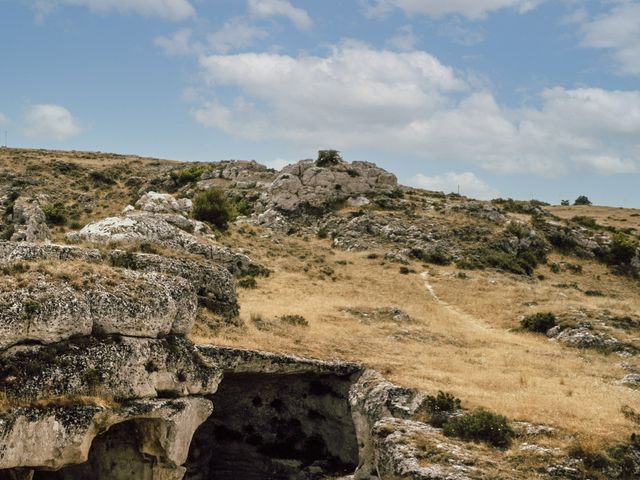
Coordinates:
(30, 222)
(155, 202)
(213, 284)
(25, 251)
(49, 310)
(305, 184)
(152, 439)
(156, 230)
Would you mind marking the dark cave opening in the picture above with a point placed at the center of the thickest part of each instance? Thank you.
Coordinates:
(276, 427)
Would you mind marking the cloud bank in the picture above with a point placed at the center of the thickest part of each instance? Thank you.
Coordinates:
(411, 103)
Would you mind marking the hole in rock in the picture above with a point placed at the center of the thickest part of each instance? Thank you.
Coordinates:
(276, 427)
(114, 455)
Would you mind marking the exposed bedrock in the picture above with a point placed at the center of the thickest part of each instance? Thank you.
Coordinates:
(143, 439)
(213, 283)
(140, 408)
(50, 309)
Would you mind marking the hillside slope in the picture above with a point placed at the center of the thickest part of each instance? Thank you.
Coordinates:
(339, 262)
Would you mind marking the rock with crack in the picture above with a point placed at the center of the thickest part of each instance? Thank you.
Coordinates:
(142, 439)
(136, 304)
(30, 222)
(155, 229)
(214, 284)
(118, 367)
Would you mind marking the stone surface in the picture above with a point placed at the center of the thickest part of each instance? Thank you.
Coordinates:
(214, 284)
(30, 222)
(163, 203)
(154, 229)
(304, 184)
(57, 437)
(140, 305)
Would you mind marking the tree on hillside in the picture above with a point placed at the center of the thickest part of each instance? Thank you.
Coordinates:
(582, 200)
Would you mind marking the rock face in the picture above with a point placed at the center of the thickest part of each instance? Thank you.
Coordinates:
(163, 203)
(144, 305)
(156, 230)
(304, 184)
(30, 222)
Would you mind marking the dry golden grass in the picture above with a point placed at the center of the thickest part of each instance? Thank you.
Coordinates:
(458, 342)
(605, 216)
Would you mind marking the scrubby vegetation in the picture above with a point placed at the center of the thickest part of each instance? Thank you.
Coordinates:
(213, 207)
(539, 322)
(481, 426)
(55, 213)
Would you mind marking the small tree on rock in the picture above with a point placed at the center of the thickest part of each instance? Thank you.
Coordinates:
(327, 158)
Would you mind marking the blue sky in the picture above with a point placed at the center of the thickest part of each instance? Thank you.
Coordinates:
(512, 98)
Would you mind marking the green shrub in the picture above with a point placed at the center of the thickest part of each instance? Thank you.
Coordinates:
(327, 158)
(623, 249)
(297, 320)
(480, 426)
(539, 322)
(247, 282)
(55, 213)
(582, 200)
(440, 408)
(565, 203)
(126, 260)
(190, 174)
(7, 231)
(101, 178)
(211, 206)
(585, 221)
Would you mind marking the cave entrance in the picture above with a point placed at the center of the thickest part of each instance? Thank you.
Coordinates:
(276, 427)
(115, 455)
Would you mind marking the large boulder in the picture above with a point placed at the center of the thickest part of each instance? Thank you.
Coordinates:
(305, 184)
(163, 203)
(154, 229)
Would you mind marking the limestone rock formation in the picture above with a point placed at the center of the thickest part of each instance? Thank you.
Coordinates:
(50, 310)
(305, 184)
(155, 229)
(30, 222)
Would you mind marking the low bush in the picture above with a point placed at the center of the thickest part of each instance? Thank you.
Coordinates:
(539, 322)
(297, 320)
(101, 178)
(247, 282)
(55, 213)
(585, 221)
(211, 206)
(440, 407)
(190, 174)
(481, 426)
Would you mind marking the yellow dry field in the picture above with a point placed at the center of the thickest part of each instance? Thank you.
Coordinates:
(605, 216)
(460, 337)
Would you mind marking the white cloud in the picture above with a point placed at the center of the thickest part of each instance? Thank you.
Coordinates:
(50, 122)
(410, 103)
(468, 184)
(178, 43)
(278, 163)
(174, 10)
(404, 40)
(269, 8)
(4, 120)
(619, 32)
(235, 34)
(472, 9)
